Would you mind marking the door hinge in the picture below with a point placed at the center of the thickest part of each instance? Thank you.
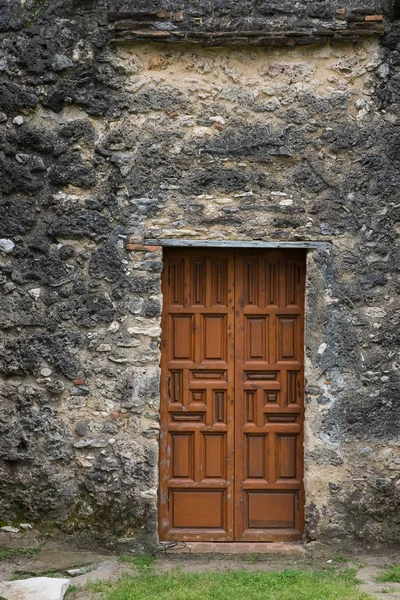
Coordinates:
(169, 495)
(298, 500)
(169, 274)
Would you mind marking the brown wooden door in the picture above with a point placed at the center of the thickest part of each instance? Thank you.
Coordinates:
(231, 456)
(269, 300)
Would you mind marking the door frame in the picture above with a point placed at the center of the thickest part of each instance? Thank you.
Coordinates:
(182, 244)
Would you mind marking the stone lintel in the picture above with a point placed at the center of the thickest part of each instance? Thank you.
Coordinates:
(236, 244)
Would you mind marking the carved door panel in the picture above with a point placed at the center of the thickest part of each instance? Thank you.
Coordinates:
(269, 297)
(197, 425)
(231, 395)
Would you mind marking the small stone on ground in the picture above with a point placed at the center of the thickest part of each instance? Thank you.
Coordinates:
(60, 561)
(108, 570)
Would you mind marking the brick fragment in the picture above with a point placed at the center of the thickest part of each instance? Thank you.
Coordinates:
(143, 248)
(117, 414)
(374, 18)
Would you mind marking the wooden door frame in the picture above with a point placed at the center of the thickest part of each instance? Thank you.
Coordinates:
(182, 244)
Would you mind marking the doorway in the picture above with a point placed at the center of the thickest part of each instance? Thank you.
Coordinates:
(232, 388)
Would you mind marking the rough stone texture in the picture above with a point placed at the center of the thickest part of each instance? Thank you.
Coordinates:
(153, 142)
(210, 26)
(250, 15)
(37, 588)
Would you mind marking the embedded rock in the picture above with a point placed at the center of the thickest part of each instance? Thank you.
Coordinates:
(37, 588)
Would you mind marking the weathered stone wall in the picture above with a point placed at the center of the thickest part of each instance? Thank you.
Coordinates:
(101, 145)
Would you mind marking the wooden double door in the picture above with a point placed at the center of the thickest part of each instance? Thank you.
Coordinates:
(231, 450)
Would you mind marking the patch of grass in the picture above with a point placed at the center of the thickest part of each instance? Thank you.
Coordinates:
(390, 574)
(71, 590)
(340, 558)
(142, 563)
(356, 562)
(233, 585)
(12, 553)
(18, 575)
(253, 558)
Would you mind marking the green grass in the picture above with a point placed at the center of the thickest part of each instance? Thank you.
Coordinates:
(390, 574)
(232, 585)
(253, 558)
(71, 590)
(12, 553)
(339, 558)
(17, 575)
(142, 564)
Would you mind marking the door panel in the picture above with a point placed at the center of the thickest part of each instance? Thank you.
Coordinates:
(231, 463)
(197, 420)
(269, 291)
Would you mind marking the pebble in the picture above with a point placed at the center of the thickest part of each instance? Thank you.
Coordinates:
(6, 246)
(114, 327)
(61, 62)
(79, 571)
(96, 443)
(201, 131)
(35, 293)
(45, 372)
(103, 348)
(9, 529)
(383, 70)
(375, 312)
(18, 120)
(218, 119)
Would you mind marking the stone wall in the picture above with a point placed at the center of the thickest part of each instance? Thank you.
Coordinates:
(103, 146)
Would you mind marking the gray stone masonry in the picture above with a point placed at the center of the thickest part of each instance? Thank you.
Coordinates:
(104, 145)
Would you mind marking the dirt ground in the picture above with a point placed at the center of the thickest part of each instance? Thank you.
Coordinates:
(82, 567)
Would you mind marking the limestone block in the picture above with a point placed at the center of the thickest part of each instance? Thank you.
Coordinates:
(36, 588)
